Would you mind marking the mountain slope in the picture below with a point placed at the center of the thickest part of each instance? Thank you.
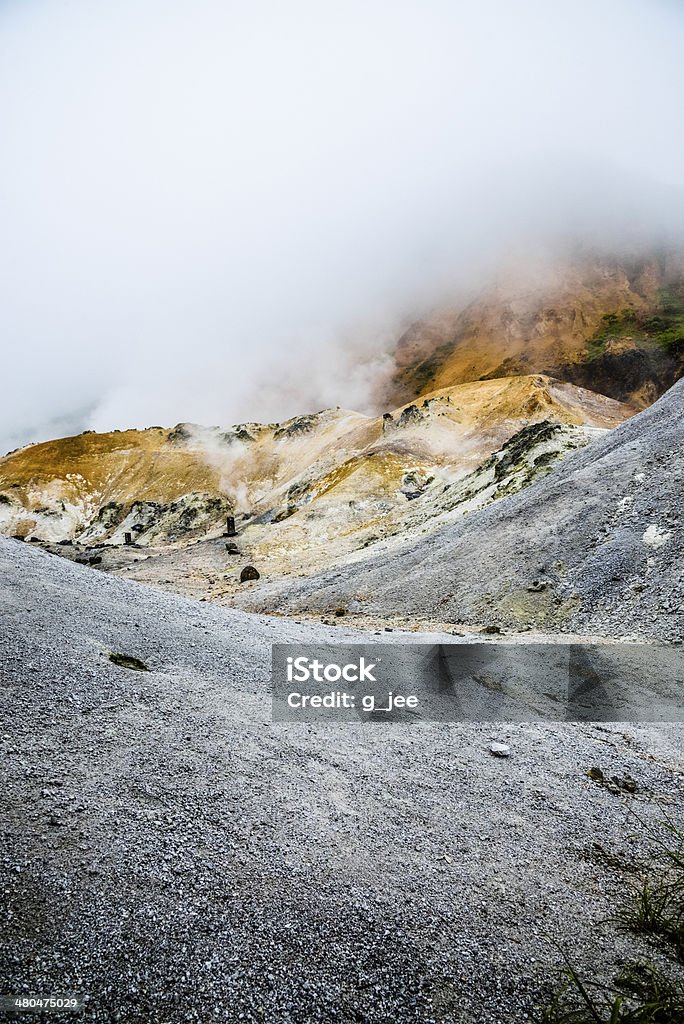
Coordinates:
(306, 493)
(166, 848)
(597, 544)
(612, 324)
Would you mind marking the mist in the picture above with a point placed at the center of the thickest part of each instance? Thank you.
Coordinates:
(217, 212)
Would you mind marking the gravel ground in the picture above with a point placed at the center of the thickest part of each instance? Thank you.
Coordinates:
(173, 854)
(596, 546)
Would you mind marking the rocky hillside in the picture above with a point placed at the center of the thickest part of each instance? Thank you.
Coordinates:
(306, 493)
(486, 398)
(597, 545)
(615, 325)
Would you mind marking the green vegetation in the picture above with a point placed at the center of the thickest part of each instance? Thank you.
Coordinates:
(642, 993)
(661, 327)
(660, 904)
(646, 996)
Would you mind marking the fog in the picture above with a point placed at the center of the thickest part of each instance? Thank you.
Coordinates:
(219, 211)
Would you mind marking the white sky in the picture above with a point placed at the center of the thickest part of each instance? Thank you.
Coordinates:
(215, 211)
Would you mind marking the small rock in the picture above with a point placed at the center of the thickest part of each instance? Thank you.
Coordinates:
(500, 750)
(248, 573)
(128, 661)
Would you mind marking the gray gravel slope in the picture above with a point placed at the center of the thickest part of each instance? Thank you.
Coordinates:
(597, 545)
(170, 851)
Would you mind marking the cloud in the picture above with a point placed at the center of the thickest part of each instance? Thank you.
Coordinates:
(220, 211)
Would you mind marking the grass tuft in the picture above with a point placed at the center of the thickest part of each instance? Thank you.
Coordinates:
(659, 909)
(642, 993)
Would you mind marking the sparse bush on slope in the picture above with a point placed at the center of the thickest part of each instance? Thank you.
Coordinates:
(642, 993)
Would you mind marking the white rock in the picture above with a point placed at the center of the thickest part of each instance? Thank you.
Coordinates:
(654, 537)
(500, 750)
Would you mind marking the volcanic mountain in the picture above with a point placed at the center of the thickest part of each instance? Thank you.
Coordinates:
(486, 396)
(612, 324)
(306, 493)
